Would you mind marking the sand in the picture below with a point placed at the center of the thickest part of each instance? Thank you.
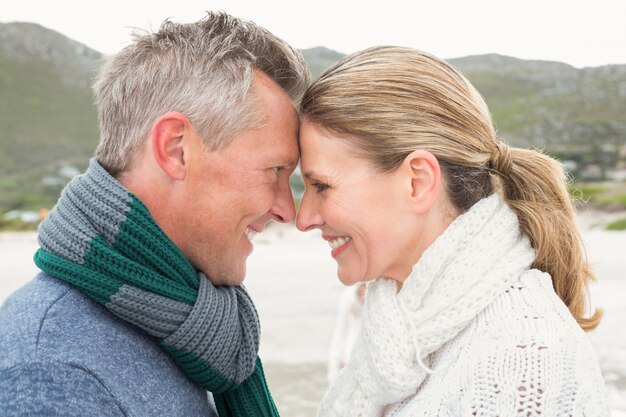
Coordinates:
(292, 279)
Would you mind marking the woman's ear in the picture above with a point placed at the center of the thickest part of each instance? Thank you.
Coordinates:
(424, 179)
(168, 138)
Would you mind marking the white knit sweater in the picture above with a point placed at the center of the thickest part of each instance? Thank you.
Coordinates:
(472, 332)
(524, 355)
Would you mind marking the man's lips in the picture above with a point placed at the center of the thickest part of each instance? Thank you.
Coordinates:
(251, 232)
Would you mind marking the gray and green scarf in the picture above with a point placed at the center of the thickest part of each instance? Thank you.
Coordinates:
(102, 239)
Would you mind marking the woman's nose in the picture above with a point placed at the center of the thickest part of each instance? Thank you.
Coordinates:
(309, 216)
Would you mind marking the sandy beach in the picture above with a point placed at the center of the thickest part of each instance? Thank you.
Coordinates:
(291, 277)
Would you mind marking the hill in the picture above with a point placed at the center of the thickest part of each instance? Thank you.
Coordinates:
(47, 118)
(576, 115)
(320, 58)
(541, 103)
(48, 123)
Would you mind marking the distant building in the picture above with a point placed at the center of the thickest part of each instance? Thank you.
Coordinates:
(570, 166)
(50, 180)
(616, 174)
(64, 173)
(591, 172)
(68, 171)
(25, 216)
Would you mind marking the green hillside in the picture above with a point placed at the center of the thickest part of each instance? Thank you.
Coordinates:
(320, 58)
(48, 123)
(576, 115)
(550, 103)
(47, 118)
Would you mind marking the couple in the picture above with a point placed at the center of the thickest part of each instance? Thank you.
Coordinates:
(477, 278)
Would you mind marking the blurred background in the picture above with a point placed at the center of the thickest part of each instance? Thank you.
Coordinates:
(553, 74)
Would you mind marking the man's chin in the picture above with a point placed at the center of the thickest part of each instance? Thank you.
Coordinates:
(233, 279)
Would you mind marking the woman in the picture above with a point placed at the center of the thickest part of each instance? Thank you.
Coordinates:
(476, 305)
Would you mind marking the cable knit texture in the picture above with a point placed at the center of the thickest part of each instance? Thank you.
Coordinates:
(102, 239)
(412, 338)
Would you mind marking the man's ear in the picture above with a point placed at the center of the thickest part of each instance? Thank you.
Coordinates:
(168, 138)
(424, 175)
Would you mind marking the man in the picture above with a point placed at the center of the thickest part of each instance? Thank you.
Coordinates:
(139, 309)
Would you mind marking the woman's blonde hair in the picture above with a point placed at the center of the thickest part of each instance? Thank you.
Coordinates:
(390, 101)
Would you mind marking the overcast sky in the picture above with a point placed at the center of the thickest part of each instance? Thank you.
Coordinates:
(579, 32)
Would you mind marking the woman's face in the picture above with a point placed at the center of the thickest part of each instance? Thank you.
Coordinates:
(363, 214)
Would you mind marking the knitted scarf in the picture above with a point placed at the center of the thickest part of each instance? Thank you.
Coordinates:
(473, 261)
(102, 239)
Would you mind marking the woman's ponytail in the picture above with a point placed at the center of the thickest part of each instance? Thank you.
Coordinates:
(535, 187)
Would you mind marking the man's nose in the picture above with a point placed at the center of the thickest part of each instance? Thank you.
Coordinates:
(284, 210)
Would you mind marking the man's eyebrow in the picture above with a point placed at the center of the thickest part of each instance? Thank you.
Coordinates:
(288, 162)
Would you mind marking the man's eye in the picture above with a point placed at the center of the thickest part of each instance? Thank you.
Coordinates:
(277, 170)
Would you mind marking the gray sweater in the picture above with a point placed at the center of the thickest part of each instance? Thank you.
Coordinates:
(62, 354)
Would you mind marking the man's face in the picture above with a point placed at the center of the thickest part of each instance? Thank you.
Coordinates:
(230, 194)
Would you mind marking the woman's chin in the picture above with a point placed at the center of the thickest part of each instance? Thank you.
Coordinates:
(349, 279)
(346, 280)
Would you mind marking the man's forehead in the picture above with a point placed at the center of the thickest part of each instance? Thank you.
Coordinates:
(278, 152)
(287, 156)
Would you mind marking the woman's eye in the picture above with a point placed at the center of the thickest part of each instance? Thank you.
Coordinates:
(320, 186)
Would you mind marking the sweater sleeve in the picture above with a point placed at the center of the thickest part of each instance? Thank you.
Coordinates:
(54, 389)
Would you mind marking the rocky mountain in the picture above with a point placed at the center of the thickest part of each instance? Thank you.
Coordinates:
(540, 103)
(48, 123)
(320, 58)
(47, 117)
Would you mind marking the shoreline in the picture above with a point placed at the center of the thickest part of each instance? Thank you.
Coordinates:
(292, 279)
(587, 218)
(590, 218)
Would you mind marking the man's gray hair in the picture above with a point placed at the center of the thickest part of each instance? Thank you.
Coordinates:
(203, 70)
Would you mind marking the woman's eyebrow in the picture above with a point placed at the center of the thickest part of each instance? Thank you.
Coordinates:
(310, 174)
